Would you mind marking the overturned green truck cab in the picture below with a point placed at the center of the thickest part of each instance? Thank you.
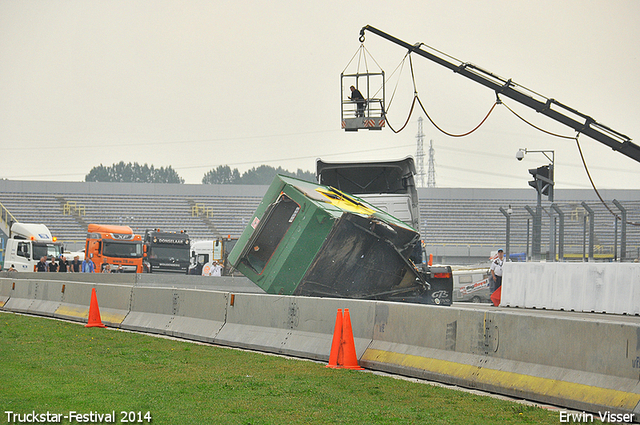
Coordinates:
(313, 240)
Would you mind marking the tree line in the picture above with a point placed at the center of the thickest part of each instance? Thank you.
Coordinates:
(223, 174)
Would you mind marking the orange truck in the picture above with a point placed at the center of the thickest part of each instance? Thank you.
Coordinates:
(116, 246)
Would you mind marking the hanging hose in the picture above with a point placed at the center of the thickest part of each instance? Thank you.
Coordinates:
(413, 104)
(584, 163)
(463, 134)
(416, 97)
(535, 126)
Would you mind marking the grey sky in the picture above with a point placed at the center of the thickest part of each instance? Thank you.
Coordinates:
(197, 84)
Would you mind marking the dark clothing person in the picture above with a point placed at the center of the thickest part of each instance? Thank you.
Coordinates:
(357, 97)
(63, 265)
(42, 266)
(53, 267)
(75, 266)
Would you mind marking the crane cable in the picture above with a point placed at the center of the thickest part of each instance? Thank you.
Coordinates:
(584, 162)
(393, 95)
(413, 102)
(362, 53)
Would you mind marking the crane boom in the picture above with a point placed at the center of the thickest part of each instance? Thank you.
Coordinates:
(580, 122)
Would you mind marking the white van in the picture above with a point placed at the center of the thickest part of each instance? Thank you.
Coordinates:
(27, 243)
(471, 285)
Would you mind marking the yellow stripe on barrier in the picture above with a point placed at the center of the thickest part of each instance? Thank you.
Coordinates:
(79, 312)
(113, 318)
(83, 313)
(511, 380)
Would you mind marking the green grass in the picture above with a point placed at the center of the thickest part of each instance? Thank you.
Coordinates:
(54, 366)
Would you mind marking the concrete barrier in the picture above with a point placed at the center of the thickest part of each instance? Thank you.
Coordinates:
(589, 287)
(113, 302)
(258, 322)
(151, 310)
(312, 325)
(34, 296)
(199, 315)
(68, 295)
(114, 278)
(296, 326)
(585, 362)
(5, 290)
(21, 296)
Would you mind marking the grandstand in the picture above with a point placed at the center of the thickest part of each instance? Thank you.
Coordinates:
(462, 224)
(459, 226)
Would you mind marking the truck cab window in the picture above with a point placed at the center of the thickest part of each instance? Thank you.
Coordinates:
(23, 249)
(274, 226)
(122, 250)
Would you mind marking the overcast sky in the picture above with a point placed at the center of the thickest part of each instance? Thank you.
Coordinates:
(197, 84)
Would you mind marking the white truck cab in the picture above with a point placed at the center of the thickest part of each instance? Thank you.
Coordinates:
(204, 253)
(27, 243)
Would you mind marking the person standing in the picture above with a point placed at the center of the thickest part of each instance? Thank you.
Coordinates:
(63, 265)
(496, 269)
(88, 266)
(53, 266)
(357, 97)
(75, 266)
(216, 269)
(42, 265)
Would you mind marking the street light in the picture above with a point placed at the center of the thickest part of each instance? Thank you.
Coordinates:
(543, 182)
(543, 176)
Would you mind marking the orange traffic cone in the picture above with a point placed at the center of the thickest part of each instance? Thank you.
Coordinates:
(350, 358)
(94, 312)
(343, 348)
(335, 343)
(496, 296)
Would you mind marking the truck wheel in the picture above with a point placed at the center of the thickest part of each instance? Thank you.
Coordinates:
(475, 299)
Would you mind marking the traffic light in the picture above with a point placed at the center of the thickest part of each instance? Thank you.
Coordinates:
(543, 180)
